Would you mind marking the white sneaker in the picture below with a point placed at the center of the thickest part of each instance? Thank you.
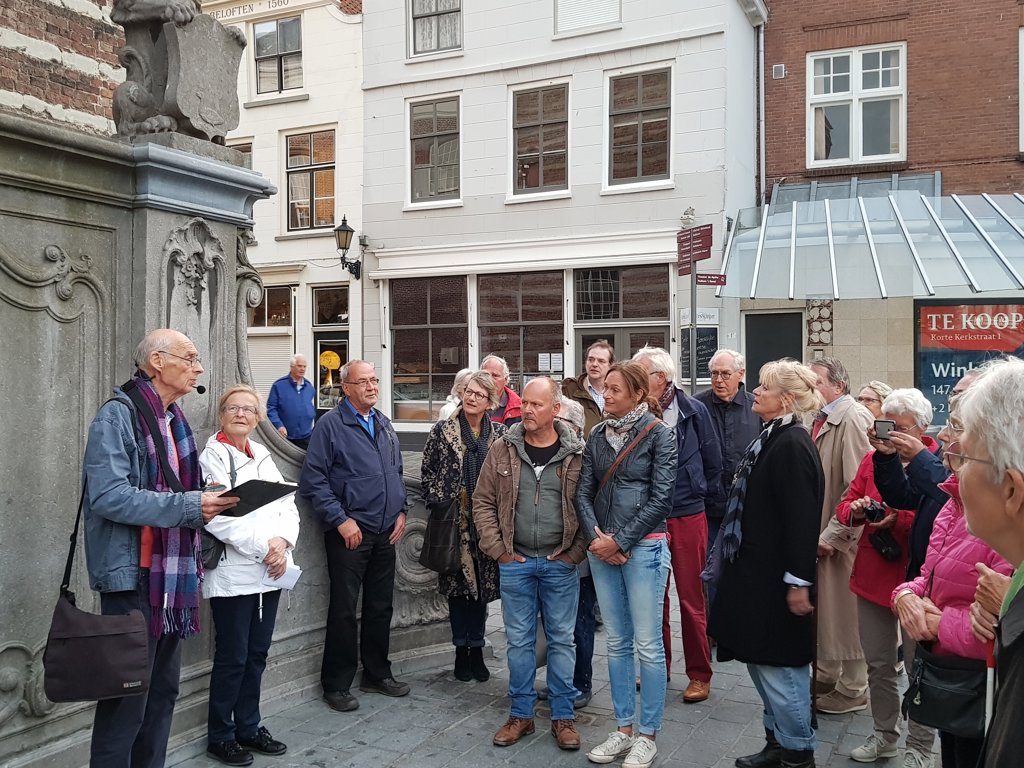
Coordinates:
(642, 754)
(615, 746)
(873, 749)
(913, 758)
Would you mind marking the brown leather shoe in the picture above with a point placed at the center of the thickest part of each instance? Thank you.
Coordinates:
(565, 734)
(696, 691)
(513, 730)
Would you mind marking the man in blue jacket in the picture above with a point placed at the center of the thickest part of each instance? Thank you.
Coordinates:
(290, 404)
(353, 478)
(698, 477)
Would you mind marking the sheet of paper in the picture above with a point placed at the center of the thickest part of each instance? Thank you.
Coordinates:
(288, 579)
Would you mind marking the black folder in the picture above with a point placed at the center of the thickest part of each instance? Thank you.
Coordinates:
(254, 494)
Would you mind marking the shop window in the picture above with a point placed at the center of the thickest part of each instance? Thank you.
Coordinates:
(275, 310)
(430, 343)
(310, 165)
(634, 293)
(639, 127)
(520, 319)
(278, 54)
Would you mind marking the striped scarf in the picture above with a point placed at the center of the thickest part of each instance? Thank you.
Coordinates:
(176, 569)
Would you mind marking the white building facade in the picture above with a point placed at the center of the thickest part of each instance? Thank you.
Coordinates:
(301, 127)
(526, 168)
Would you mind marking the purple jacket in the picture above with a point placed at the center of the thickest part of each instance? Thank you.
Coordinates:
(952, 553)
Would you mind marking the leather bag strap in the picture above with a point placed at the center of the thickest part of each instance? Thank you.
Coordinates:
(65, 583)
(626, 450)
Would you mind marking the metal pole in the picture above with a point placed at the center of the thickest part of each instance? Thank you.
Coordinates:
(693, 329)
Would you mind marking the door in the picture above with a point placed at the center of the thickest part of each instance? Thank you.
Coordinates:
(331, 354)
(770, 336)
(626, 341)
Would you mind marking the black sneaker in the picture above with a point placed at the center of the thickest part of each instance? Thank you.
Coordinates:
(229, 752)
(264, 743)
(388, 686)
(341, 701)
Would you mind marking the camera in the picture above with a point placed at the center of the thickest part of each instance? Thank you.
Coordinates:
(874, 512)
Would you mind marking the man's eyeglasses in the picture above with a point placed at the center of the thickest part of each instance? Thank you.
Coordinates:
(192, 360)
(472, 394)
(248, 410)
(957, 460)
(363, 382)
(721, 374)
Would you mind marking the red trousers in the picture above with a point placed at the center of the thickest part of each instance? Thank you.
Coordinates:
(688, 545)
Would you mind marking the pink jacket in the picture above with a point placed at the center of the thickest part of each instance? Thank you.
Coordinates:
(952, 553)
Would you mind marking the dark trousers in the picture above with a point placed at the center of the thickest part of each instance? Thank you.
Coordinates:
(300, 442)
(239, 659)
(468, 618)
(714, 523)
(586, 624)
(370, 567)
(958, 752)
(132, 731)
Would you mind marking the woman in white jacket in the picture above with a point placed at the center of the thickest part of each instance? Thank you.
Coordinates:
(257, 551)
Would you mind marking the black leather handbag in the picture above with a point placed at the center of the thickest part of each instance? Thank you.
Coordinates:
(947, 692)
(441, 551)
(90, 657)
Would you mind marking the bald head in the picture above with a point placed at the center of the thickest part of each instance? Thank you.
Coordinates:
(161, 339)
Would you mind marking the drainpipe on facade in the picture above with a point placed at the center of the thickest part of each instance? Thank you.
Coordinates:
(761, 182)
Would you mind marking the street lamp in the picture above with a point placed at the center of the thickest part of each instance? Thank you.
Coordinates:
(343, 239)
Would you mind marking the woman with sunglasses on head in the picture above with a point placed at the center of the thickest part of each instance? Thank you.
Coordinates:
(452, 457)
(257, 550)
(871, 396)
(935, 607)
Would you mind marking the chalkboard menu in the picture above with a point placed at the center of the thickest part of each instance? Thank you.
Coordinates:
(707, 343)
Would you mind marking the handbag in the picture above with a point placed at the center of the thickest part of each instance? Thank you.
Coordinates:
(441, 550)
(90, 657)
(885, 544)
(213, 548)
(947, 692)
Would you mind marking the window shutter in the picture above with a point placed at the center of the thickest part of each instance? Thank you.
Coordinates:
(577, 14)
(268, 361)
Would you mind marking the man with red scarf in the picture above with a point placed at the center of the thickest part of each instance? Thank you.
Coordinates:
(142, 536)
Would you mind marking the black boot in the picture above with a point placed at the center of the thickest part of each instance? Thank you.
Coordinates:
(476, 662)
(798, 758)
(463, 670)
(769, 757)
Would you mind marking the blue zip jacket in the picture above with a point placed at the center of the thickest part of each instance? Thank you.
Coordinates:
(699, 468)
(348, 474)
(290, 409)
(736, 426)
(117, 503)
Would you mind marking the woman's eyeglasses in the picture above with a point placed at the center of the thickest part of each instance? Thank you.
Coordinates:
(248, 410)
(866, 400)
(472, 394)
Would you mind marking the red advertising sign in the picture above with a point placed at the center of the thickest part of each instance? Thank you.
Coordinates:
(710, 278)
(954, 336)
(693, 244)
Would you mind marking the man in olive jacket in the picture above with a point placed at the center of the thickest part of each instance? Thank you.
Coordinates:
(524, 513)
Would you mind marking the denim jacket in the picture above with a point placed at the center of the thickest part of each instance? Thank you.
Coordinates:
(117, 503)
(637, 499)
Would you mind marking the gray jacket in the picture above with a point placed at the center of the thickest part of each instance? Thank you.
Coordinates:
(117, 503)
(637, 499)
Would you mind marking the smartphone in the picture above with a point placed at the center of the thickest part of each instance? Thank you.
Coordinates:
(883, 427)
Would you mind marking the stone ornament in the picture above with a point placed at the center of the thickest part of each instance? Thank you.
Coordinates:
(819, 322)
(192, 251)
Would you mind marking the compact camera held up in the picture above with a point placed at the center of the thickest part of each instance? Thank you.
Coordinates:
(874, 512)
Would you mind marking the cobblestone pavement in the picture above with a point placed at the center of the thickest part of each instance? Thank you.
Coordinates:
(444, 723)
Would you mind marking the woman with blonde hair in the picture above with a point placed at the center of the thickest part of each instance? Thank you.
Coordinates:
(765, 556)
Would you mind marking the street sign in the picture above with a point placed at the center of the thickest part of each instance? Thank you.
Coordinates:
(693, 244)
(709, 278)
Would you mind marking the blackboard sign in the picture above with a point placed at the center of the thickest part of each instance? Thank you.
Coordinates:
(707, 344)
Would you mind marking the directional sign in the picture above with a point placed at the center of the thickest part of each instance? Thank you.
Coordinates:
(693, 244)
(709, 278)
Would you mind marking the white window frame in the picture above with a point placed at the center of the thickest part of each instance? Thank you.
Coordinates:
(448, 202)
(411, 28)
(856, 97)
(512, 196)
(310, 231)
(255, 91)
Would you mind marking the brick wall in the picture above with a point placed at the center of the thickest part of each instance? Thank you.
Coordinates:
(59, 61)
(962, 89)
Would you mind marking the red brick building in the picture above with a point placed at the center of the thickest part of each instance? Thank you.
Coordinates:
(874, 87)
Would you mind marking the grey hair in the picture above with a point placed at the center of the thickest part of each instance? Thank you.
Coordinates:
(486, 383)
(460, 382)
(739, 361)
(572, 413)
(881, 389)
(902, 402)
(993, 410)
(348, 366)
(835, 371)
(296, 357)
(501, 360)
(556, 388)
(158, 340)
(661, 361)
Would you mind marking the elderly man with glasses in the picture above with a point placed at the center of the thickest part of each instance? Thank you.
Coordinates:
(353, 478)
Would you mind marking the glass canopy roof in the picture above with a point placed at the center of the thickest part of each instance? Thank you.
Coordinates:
(904, 244)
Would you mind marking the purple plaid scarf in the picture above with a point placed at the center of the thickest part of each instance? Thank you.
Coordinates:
(176, 567)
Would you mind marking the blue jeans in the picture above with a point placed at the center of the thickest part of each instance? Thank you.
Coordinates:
(468, 618)
(586, 624)
(786, 695)
(631, 598)
(553, 587)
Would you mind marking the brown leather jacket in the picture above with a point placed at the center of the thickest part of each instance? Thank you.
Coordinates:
(497, 490)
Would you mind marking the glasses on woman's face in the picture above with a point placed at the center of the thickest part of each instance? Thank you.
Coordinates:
(248, 410)
(868, 400)
(956, 460)
(474, 394)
